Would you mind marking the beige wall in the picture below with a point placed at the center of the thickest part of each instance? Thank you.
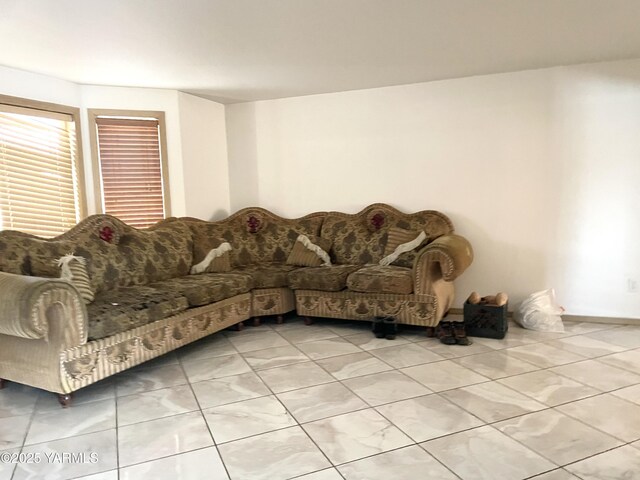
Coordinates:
(539, 169)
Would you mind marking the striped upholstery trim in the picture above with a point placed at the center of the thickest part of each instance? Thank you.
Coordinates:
(408, 309)
(396, 237)
(272, 301)
(93, 361)
(74, 270)
(217, 260)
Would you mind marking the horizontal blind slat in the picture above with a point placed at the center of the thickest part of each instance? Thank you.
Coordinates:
(37, 174)
(129, 151)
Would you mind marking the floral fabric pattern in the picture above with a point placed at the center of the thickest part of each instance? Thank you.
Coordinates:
(378, 279)
(140, 256)
(272, 275)
(122, 309)
(206, 288)
(270, 243)
(356, 244)
(328, 279)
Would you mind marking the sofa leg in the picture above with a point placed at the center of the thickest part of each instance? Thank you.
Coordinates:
(3, 383)
(256, 321)
(308, 321)
(238, 327)
(279, 319)
(65, 399)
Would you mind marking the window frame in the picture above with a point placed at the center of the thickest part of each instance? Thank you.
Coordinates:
(74, 112)
(93, 114)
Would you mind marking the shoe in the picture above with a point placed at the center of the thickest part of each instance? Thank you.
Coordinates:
(445, 333)
(378, 327)
(460, 334)
(390, 328)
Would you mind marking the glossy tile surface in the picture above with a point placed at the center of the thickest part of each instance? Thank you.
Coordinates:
(408, 463)
(329, 402)
(385, 387)
(619, 463)
(203, 463)
(94, 453)
(243, 419)
(353, 365)
(159, 438)
(472, 455)
(273, 456)
(355, 435)
(557, 437)
(156, 404)
(321, 401)
(415, 417)
(235, 388)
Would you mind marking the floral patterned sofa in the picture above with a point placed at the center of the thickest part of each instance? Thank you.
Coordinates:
(146, 303)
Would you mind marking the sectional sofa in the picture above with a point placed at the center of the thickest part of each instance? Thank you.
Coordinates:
(148, 292)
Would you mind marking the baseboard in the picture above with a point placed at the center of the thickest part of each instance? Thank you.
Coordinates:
(578, 318)
(611, 320)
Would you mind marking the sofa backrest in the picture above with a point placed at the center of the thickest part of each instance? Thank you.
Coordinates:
(117, 254)
(361, 238)
(255, 235)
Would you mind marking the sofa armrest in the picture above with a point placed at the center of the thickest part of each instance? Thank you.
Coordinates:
(445, 258)
(28, 305)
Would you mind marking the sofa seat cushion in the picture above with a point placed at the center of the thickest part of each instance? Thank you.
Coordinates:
(208, 287)
(270, 275)
(327, 279)
(379, 279)
(122, 309)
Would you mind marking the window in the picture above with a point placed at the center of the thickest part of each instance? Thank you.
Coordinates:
(40, 167)
(129, 148)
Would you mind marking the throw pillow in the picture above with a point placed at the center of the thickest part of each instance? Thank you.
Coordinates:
(74, 270)
(217, 260)
(310, 252)
(400, 241)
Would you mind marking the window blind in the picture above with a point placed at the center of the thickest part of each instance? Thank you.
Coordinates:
(131, 169)
(38, 171)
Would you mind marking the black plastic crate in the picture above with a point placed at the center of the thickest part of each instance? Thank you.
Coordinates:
(487, 321)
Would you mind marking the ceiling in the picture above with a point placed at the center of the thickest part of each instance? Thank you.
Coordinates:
(243, 50)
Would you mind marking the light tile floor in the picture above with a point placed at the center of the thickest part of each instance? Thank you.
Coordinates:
(330, 401)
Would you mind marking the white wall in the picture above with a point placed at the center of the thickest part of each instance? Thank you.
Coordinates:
(539, 169)
(204, 147)
(19, 83)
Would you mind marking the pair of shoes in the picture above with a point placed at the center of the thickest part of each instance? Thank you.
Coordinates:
(444, 332)
(385, 327)
(451, 333)
(460, 334)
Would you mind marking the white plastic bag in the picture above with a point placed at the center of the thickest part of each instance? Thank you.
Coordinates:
(539, 311)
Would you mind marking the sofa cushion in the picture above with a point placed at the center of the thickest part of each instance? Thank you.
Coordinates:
(310, 251)
(361, 238)
(379, 279)
(216, 260)
(122, 309)
(74, 269)
(161, 251)
(271, 275)
(257, 235)
(207, 288)
(402, 246)
(327, 279)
